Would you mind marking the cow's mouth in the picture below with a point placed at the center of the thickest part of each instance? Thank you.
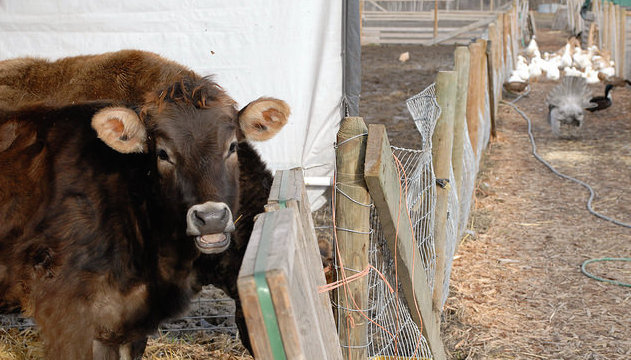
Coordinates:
(213, 243)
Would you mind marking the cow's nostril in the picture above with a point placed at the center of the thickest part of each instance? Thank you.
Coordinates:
(198, 219)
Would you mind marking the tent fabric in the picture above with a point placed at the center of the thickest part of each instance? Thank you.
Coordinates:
(287, 49)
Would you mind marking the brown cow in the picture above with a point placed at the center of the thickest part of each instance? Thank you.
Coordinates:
(105, 208)
(129, 76)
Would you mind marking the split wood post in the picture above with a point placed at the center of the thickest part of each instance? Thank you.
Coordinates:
(532, 22)
(623, 43)
(590, 38)
(517, 31)
(491, 56)
(614, 32)
(442, 142)
(461, 60)
(474, 96)
(506, 52)
(435, 19)
(352, 216)
(484, 108)
(384, 184)
(622, 66)
(605, 28)
(499, 52)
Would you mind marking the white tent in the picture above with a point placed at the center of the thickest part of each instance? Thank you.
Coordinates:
(292, 50)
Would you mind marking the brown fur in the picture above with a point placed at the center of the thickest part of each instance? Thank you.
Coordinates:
(94, 243)
(151, 82)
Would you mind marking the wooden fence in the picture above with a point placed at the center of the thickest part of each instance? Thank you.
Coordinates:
(481, 68)
(281, 271)
(451, 25)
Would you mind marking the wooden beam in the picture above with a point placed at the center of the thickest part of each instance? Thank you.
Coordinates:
(352, 212)
(442, 143)
(385, 188)
(458, 32)
(377, 5)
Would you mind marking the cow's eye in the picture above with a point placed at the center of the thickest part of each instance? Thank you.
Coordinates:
(233, 147)
(162, 155)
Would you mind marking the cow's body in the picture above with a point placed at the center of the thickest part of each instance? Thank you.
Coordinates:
(103, 217)
(123, 75)
(130, 76)
(80, 250)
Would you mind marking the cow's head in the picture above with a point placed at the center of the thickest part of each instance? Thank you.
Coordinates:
(191, 132)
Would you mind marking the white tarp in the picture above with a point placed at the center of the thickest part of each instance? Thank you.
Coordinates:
(287, 49)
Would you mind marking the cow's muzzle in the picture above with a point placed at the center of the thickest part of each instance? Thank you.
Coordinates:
(211, 224)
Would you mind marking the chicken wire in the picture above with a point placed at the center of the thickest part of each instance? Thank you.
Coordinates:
(393, 332)
(425, 111)
(207, 313)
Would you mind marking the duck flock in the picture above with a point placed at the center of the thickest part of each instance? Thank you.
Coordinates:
(571, 60)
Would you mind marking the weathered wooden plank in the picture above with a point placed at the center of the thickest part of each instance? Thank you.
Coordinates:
(296, 302)
(385, 188)
(294, 196)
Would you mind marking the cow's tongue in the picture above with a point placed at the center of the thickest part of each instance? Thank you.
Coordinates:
(212, 239)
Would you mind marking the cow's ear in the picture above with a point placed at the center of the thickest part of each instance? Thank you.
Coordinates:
(261, 119)
(121, 129)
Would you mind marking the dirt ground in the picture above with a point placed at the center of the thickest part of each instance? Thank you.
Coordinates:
(517, 291)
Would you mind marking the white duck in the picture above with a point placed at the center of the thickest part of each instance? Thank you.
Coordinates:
(534, 69)
(572, 71)
(582, 59)
(566, 58)
(522, 68)
(591, 75)
(532, 47)
(551, 69)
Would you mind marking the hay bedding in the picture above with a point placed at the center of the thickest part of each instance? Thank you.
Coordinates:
(517, 291)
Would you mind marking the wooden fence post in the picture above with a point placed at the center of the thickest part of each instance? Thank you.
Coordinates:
(623, 43)
(620, 28)
(442, 142)
(352, 212)
(461, 60)
(604, 28)
(491, 55)
(473, 93)
(484, 107)
(506, 53)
